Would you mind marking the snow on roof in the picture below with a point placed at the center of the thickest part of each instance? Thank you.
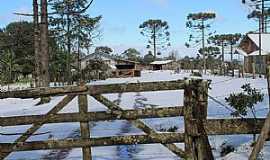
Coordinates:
(257, 53)
(162, 62)
(240, 51)
(265, 40)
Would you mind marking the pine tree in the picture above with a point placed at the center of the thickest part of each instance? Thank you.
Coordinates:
(73, 27)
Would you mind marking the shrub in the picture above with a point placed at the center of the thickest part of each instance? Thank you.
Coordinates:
(196, 74)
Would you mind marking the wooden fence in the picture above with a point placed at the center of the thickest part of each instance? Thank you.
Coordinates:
(197, 126)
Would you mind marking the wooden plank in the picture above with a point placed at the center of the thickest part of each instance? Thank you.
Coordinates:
(94, 116)
(94, 142)
(43, 92)
(85, 130)
(95, 89)
(139, 124)
(261, 139)
(233, 126)
(212, 126)
(36, 126)
(137, 87)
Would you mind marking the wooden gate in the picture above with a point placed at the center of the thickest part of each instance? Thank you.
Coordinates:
(197, 127)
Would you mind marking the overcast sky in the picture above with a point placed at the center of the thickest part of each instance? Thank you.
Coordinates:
(121, 19)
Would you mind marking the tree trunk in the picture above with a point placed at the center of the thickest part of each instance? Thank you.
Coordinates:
(36, 44)
(68, 76)
(44, 48)
(44, 51)
(155, 45)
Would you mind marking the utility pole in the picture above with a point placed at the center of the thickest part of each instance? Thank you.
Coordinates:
(260, 46)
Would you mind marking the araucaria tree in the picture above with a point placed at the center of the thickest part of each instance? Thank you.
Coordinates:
(73, 28)
(103, 49)
(224, 40)
(157, 34)
(260, 9)
(199, 22)
(232, 40)
(220, 41)
(211, 53)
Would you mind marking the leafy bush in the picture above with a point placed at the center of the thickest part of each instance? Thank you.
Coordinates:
(226, 149)
(245, 100)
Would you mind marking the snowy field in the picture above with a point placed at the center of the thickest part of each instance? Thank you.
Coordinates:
(221, 87)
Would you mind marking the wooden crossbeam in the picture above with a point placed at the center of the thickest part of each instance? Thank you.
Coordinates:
(94, 116)
(233, 126)
(36, 126)
(95, 89)
(94, 142)
(43, 92)
(141, 125)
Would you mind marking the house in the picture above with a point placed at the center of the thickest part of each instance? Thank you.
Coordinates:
(120, 67)
(249, 47)
(163, 65)
(108, 59)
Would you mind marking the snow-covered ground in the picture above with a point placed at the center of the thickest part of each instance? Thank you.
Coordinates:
(221, 87)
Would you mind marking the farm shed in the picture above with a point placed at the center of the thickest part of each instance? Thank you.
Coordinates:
(127, 68)
(163, 65)
(249, 48)
(108, 59)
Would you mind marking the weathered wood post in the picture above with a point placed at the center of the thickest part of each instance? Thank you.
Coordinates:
(197, 145)
(85, 131)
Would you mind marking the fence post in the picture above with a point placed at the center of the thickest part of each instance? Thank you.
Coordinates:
(195, 102)
(84, 126)
(253, 70)
(188, 109)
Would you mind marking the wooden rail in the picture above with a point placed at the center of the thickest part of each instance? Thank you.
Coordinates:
(94, 116)
(95, 142)
(95, 89)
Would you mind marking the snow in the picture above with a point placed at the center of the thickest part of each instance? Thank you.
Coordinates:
(240, 51)
(221, 87)
(265, 41)
(161, 62)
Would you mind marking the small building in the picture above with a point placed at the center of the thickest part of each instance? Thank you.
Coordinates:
(249, 47)
(108, 59)
(163, 65)
(120, 67)
(127, 68)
